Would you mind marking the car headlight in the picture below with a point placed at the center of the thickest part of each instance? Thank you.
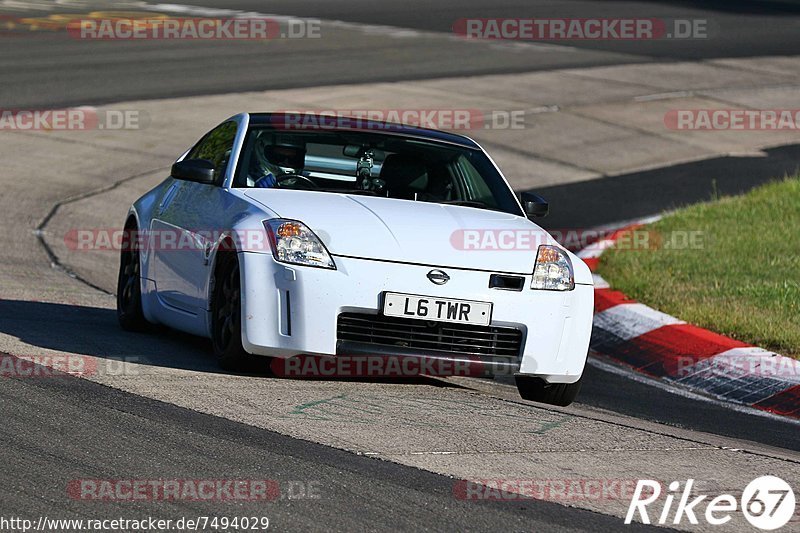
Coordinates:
(293, 243)
(553, 270)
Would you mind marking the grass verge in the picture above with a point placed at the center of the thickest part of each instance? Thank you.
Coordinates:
(731, 265)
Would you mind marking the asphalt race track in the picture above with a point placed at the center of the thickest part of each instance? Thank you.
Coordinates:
(355, 493)
(63, 73)
(346, 455)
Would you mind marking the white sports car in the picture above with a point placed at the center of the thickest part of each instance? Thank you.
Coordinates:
(277, 237)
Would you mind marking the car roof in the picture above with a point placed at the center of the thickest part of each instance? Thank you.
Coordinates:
(363, 125)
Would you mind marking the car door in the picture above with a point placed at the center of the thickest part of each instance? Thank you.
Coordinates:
(184, 226)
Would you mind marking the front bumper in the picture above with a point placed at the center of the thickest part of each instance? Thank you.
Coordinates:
(291, 310)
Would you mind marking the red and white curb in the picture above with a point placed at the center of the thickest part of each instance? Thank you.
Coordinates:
(664, 347)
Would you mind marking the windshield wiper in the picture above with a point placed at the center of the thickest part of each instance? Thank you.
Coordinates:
(470, 203)
(349, 191)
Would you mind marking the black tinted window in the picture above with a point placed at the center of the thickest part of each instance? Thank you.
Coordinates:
(216, 147)
(371, 163)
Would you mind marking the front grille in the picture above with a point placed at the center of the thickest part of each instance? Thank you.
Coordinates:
(426, 336)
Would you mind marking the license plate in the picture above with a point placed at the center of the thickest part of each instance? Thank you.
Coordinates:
(438, 309)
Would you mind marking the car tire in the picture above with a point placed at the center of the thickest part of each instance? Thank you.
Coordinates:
(538, 390)
(226, 315)
(129, 286)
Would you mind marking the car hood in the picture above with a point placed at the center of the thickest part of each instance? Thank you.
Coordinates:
(411, 232)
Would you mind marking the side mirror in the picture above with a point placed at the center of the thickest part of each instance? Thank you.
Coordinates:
(197, 170)
(535, 206)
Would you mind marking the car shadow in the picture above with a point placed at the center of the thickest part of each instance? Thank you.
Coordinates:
(94, 331)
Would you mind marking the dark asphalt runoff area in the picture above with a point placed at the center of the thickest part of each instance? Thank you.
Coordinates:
(61, 430)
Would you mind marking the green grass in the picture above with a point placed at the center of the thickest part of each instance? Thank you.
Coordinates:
(741, 276)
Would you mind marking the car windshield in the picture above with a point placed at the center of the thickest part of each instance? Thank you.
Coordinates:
(374, 164)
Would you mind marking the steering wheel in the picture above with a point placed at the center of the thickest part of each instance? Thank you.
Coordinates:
(304, 179)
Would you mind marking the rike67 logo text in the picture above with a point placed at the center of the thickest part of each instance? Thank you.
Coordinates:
(767, 502)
